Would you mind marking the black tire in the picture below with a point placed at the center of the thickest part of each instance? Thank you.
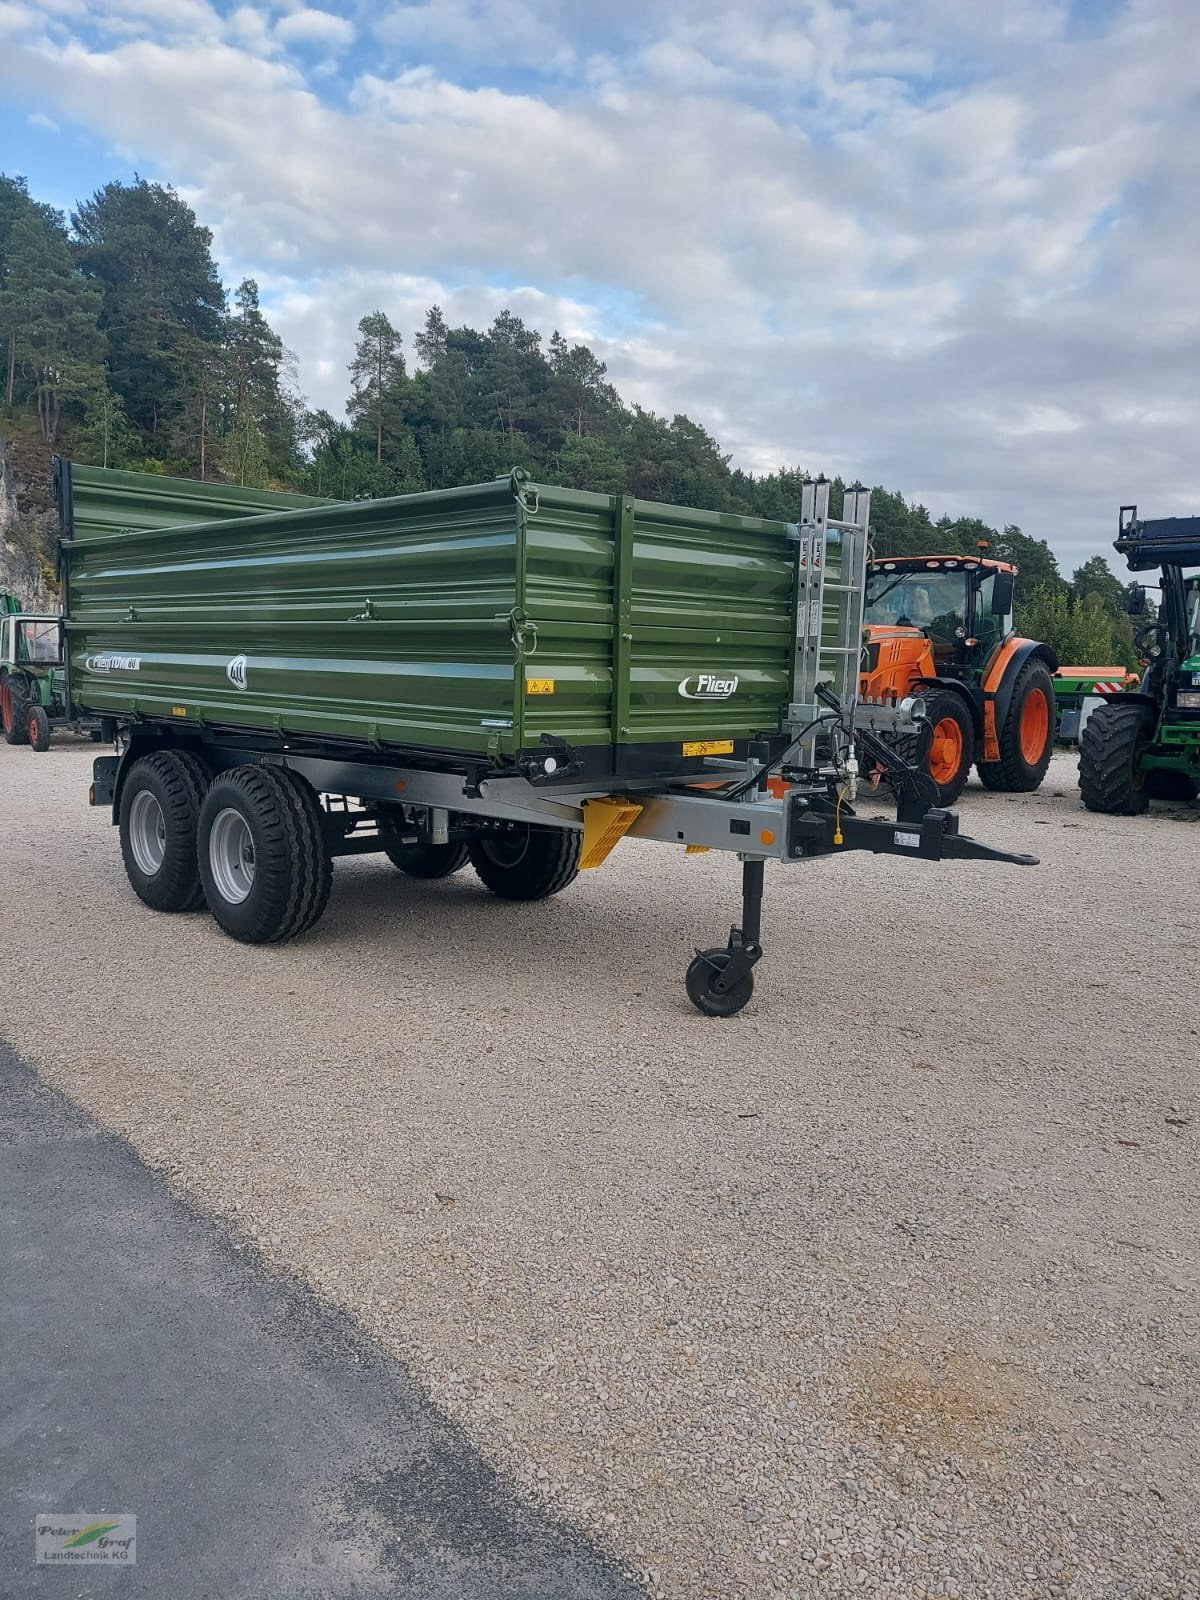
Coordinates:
(14, 709)
(261, 831)
(420, 860)
(1169, 783)
(521, 862)
(943, 705)
(1109, 779)
(37, 726)
(703, 970)
(175, 781)
(1013, 773)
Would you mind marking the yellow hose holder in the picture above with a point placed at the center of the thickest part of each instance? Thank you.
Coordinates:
(605, 824)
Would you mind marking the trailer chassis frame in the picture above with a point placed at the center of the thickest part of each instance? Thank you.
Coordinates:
(811, 818)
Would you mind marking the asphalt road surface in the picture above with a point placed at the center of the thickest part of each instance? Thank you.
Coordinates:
(267, 1448)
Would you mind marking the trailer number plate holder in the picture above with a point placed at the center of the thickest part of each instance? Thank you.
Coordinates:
(708, 747)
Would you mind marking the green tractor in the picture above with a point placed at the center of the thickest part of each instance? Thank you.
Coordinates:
(1145, 744)
(33, 679)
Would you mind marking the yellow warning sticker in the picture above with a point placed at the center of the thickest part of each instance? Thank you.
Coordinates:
(539, 685)
(709, 747)
(179, 711)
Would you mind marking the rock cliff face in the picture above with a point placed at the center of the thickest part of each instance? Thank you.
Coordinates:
(27, 523)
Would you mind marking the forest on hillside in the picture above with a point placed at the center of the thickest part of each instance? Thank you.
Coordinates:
(123, 347)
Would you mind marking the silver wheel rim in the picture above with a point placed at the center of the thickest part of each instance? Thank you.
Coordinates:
(147, 832)
(231, 855)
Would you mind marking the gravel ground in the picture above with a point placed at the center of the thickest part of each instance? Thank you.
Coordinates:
(888, 1285)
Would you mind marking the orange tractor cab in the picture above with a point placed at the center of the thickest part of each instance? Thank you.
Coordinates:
(941, 627)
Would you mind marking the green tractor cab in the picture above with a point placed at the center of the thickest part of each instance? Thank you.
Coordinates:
(1145, 744)
(33, 678)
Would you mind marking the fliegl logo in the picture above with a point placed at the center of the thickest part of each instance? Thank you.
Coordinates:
(236, 672)
(707, 686)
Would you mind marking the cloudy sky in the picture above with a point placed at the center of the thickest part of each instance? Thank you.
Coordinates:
(950, 246)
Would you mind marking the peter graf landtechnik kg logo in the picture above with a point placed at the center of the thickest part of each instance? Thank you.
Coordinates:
(85, 1538)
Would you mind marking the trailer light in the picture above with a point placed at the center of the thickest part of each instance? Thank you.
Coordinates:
(550, 765)
(767, 837)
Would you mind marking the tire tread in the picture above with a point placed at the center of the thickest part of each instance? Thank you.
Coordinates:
(184, 779)
(293, 857)
(1106, 756)
(557, 866)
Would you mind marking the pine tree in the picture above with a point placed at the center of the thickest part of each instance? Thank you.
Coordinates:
(254, 389)
(516, 372)
(379, 381)
(142, 246)
(579, 392)
(50, 315)
(433, 342)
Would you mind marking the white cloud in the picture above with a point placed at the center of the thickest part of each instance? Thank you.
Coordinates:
(315, 27)
(495, 31)
(945, 248)
(39, 119)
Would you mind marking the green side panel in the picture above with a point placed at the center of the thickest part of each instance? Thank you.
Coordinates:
(105, 501)
(385, 621)
(708, 598)
(422, 620)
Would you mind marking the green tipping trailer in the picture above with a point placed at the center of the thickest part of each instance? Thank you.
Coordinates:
(510, 673)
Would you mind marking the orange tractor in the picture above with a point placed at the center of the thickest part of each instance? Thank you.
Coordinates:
(941, 627)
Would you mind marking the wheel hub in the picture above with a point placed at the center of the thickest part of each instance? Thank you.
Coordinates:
(147, 832)
(231, 855)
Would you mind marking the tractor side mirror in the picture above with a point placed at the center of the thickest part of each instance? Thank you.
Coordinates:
(1002, 594)
(1135, 602)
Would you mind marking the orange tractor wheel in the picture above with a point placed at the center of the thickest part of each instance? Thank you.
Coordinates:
(952, 748)
(1026, 738)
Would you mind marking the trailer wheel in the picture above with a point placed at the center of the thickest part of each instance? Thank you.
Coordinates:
(160, 804)
(1169, 783)
(523, 862)
(14, 710)
(1110, 779)
(420, 860)
(37, 725)
(703, 970)
(1027, 737)
(263, 855)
